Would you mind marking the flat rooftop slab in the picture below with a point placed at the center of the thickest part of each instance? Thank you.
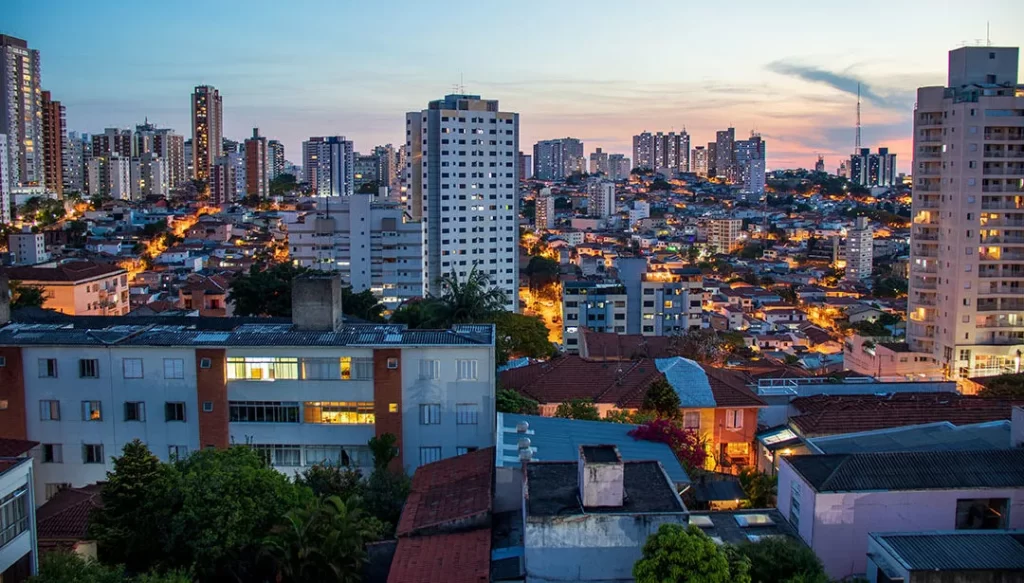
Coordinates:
(553, 490)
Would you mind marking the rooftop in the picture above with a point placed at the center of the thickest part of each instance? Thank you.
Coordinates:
(556, 439)
(955, 551)
(552, 489)
(15, 447)
(63, 520)
(740, 526)
(70, 271)
(942, 436)
(929, 470)
(461, 557)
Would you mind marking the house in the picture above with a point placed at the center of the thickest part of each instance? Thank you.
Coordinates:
(714, 402)
(78, 287)
(18, 552)
(862, 313)
(207, 294)
(63, 521)
(980, 556)
(835, 501)
(888, 360)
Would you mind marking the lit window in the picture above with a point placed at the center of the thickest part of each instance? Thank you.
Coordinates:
(91, 411)
(339, 412)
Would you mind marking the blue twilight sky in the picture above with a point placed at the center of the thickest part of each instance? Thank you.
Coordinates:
(600, 70)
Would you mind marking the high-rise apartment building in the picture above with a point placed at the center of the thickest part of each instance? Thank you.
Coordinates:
(257, 182)
(619, 167)
(724, 235)
(112, 142)
(333, 166)
(749, 160)
(599, 162)
(819, 166)
(966, 297)
(310, 160)
(365, 168)
(600, 198)
(544, 211)
(867, 169)
(860, 249)
(5, 183)
(168, 146)
(699, 161)
(643, 150)
(662, 152)
(224, 179)
(600, 306)
(275, 156)
(148, 176)
(557, 159)
(55, 140)
(21, 111)
(371, 243)
(207, 129)
(74, 162)
(387, 170)
(110, 175)
(467, 194)
(713, 171)
(525, 166)
(725, 156)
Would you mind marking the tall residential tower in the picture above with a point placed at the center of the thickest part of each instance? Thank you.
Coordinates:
(207, 130)
(21, 111)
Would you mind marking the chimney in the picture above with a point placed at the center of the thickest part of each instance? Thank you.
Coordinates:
(5, 300)
(316, 303)
(600, 476)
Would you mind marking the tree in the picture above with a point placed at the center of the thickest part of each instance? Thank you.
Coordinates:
(660, 184)
(68, 567)
(468, 301)
(139, 500)
(542, 271)
(519, 335)
(151, 230)
(759, 488)
(683, 555)
(283, 184)
(580, 409)
(363, 305)
(662, 399)
(510, 401)
(324, 541)
(687, 444)
(383, 448)
(26, 296)
(629, 417)
(230, 500)
(384, 496)
(413, 313)
(775, 559)
(371, 187)
(704, 346)
(265, 291)
(1006, 386)
(331, 480)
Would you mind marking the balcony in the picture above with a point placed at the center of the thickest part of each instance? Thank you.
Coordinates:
(926, 188)
(1000, 322)
(926, 203)
(924, 236)
(924, 301)
(1008, 171)
(924, 268)
(997, 204)
(1005, 305)
(1003, 239)
(1003, 134)
(1012, 188)
(923, 252)
(919, 283)
(929, 155)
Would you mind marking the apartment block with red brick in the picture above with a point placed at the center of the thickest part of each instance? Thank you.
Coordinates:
(312, 390)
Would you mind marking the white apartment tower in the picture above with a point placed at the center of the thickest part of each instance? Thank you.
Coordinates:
(462, 176)
(966, 304)
(21, 111)
(601, 198)
(544, 211)
(330, 165)
(724, 235)
(860, 250)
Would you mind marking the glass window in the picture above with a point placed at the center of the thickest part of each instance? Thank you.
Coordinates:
(177, 452)
(53, 453)
(794, 506)
(464, 449)
(88, 368)
(174, 411)
(91, 411)
(429, 455)
(339, 412)
(134, 411)
(467, 369)
(691, 420)
(281, 455)
(92, 453)
(734, 418)
(981, 513)
(430, 414)
(430, 369)
(132, 368)
(467, 413)
(48, 368)
(174, 368)
(263, 368)
(263, 412)
(14, 518)
(49, 410)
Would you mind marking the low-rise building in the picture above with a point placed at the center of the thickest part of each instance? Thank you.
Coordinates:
(28, 248)
(981, 556)
(18, 548)
(78, 287)
(599, 306)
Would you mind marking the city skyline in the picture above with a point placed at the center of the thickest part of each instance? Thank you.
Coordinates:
(796, 88)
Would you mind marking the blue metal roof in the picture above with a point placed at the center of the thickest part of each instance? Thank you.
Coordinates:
(689, 380)
(557, 439)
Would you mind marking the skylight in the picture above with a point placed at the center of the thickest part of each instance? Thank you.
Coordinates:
(748, 520)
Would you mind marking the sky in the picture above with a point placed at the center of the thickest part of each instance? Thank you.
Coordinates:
(600, 70)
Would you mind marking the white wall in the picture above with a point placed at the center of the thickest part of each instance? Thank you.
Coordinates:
(25, 543)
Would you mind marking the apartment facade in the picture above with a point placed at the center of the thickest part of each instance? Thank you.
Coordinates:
(600, 306)
(878, 169)
(21, 114)
(207, 130)
(333, 166)
(558, 159)
(662, 151)
(600, 198)
(257, 181)
(671, 302)
(18, 537)
(5, 183)
(599, 162)
(54, 144)
(303, 396)
(750, 158)
(544, 210)
(725, 155)
(966, 299)
(619, 167)
(78, 287)
(860, 251)
(164, 144)
(28, 248)
(699, 161)
(724, 234)
(462, 178)
(275, 159)
(372, 245)
(149, 176)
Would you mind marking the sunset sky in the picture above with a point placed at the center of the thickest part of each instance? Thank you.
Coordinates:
(597, 70)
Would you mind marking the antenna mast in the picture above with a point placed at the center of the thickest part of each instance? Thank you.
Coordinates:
(857, 145)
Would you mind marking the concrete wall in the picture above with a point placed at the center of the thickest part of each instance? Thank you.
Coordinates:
(591, 547)
(788, 480)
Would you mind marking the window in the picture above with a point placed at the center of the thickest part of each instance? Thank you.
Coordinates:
(53, 453)
(734, 419)
(263, 412)
(174, 368)
(91, 411)
(13, 515)
(430, 369)
(430, 414)
(177, 452)
(794, 506)
(262, 368)
(338, 455)
(3, 361)
(339, 412)
(207, 406)
(392, 363)
(88, 368)
(205, 363)
(49, 410)
(965, 354)
(174, 411)
(92, 453)
(132, 368)
(466, 369)
(53, 488)
(467, 414)
(429, 455)
(981, 513)
(691, 420)
(281, 455)
(134, 411)
(47, 368)
(464, 449)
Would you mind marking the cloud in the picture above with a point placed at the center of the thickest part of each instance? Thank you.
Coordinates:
(841, 81)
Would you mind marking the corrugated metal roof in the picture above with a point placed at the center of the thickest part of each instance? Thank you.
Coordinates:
(942, 436)
(956, 551)
(557, 439)
(689, 380)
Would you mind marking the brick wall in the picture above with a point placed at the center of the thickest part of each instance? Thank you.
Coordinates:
(211, 386)
(387, 391)
(13, 419)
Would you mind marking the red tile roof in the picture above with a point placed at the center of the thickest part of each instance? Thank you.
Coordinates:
(730, 389)
(463, 557)
(449, 492)
(15, 447)
(71, 271)
(609, 346)
(65, 517)
(833, 414)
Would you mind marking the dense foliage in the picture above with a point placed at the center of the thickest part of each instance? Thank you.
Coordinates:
(784, 559)
(26, 296)
(510, 401)
(759, 488)
(1010, 386)
(686, 443)
(267, 291)
(661, 399)
(579, 409)
(686, 555)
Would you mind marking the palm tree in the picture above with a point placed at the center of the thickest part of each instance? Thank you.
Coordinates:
(324, 541)
(466, 302)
